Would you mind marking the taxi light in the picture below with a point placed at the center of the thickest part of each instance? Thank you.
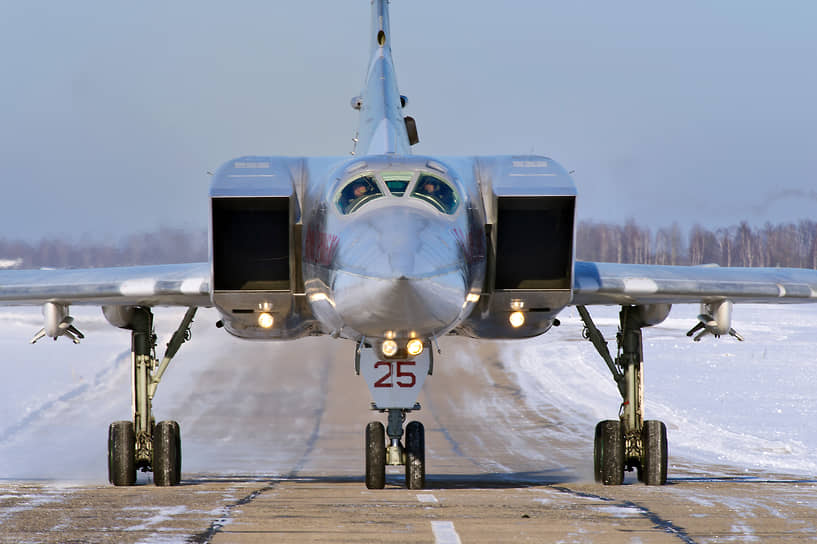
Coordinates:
(414, 346)
(389, 347)
(517, 319)
(265, 320)
(472, 297)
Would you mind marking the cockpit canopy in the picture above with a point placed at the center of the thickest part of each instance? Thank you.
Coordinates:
(425, 186)
(436, 192)
(356, 193)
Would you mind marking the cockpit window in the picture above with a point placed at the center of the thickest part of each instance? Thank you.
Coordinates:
(356, 193)
(397, 181)
(437, 192)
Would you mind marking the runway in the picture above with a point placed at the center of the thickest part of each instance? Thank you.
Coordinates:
(273, 452)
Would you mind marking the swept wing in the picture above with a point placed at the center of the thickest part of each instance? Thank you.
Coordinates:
(155, 285)
(613, 283)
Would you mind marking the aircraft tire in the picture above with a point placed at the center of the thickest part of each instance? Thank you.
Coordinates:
(167, 454)
(654, 441)
(375, 455)
(415, 456)
(608, 453)
(121, 453)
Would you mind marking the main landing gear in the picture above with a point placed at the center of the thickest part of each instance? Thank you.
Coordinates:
(379, 454)
(142, 443)
(629, 442)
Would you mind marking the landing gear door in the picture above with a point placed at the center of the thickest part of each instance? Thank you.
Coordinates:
(394, 383)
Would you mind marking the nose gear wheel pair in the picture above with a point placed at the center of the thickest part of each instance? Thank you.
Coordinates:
(411, 455)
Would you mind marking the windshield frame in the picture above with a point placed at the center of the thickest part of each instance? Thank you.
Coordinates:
(409, 180)
(345, 205)
(352, 203)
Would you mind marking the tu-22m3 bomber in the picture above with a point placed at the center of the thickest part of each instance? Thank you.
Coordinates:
(387, 252)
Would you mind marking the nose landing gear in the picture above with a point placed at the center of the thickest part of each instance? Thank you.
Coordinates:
(395, 385)
(412, 455)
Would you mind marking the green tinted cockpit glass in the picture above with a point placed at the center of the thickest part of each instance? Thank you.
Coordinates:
(437, 192)
(397, 181)
(356, 193)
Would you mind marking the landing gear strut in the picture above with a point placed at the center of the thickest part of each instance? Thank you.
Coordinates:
(412, 455)
(630, 442)
(142, 443)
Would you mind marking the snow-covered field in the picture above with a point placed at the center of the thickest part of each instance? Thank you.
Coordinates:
(749, 405)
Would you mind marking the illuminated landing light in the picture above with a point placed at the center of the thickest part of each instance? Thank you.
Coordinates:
(517, 319)
(265, 320)
(414, 346)
(472, 297)
(389, 348)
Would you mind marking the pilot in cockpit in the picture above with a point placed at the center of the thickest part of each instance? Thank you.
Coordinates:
(437, 192)
(431, 187)
(355, 192)
(361, 188)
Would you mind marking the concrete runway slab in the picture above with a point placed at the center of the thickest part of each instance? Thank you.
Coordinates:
(283, 427)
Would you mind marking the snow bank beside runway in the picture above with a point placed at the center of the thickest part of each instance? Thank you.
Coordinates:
(751, 405)
(58, 399)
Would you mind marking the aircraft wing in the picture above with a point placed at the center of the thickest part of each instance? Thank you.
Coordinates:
(612, 283)
(153, 285)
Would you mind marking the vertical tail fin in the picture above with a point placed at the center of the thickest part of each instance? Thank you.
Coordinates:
(382, 128)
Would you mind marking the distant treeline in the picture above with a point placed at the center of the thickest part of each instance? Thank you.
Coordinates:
(164, 246)
(782, 245)
(787, 245)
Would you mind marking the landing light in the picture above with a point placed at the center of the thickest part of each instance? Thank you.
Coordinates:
(389, 347)
(265, 320)
(414, 346)
(472, 297)
(517, 319)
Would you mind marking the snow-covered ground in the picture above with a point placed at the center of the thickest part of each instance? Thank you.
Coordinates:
(749, 405)
(57, 399)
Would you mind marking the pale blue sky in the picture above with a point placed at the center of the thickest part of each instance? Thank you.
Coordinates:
(695, 111)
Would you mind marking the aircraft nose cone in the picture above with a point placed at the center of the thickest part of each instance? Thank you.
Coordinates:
(399, 270)
(397, 243)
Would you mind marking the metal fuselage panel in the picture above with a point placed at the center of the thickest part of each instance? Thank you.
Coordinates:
(397, 266)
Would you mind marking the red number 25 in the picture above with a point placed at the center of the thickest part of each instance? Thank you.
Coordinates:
(388, 381)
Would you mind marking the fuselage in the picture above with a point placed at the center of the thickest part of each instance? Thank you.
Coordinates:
(402, 258)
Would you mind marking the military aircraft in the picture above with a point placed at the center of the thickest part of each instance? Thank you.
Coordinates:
(392, 251)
